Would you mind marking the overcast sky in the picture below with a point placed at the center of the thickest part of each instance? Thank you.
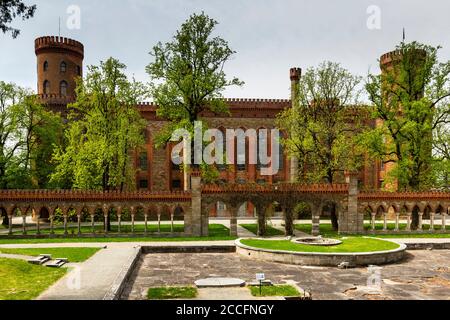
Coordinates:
(270, 36)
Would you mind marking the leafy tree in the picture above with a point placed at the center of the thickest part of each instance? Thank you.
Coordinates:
(28, 133)
(104, 125)
(412, 99)
(189, 75)
(322, 126)
(9, 10)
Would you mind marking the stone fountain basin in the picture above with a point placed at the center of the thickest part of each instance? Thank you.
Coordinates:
(317, 241)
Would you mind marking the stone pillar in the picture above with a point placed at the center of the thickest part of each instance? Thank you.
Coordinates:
(132, 220)
(196, 222)
(79, 223)
(350, 220)
(397, 221)
(146, 223)
(316, 221)
(420, 226)
(93, 223)
(105, 216)
(432, 214)
(443, 217)
(159, 222)
(65, 224)
(38, 224)
(233, 221)
(374, 215)
(24, 224)
(119, 222)
(171, 222)
(52, 224)
(408, 221)
(385, 226)
(10, 226)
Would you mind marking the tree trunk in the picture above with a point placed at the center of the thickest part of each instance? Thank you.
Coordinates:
(334, 218)
(261, 222)
(288, 221)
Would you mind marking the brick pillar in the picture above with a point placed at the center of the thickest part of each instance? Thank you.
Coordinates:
(295, 75)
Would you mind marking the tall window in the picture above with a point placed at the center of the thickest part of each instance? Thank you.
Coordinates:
(46, 87)
(63, 88)
(79, 70)
(45, 65)
(63, 67)
(143, 161)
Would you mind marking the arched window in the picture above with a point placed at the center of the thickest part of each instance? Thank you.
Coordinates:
(46, 87)
(63, 88)
(63, 67)
(45, 65)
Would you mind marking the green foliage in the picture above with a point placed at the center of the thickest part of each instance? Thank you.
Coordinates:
(323, 124)
(190, 76)
(28, 135)
(9, 10)
(104, 125)
(411, 97)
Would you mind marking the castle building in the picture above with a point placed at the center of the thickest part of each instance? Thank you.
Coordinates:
(60, 62)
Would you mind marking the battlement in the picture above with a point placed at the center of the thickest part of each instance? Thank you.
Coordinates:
(55, 99)
(235, 103)
(394, 56)
(295, 74)
(43, 44)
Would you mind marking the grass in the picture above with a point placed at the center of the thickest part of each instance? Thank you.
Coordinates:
(326, 230)
(23, 281)
(217, 232)
(165, 293)
(270, 231)
(100, 229)
(73, 254)
(353, 244)
(274, 291)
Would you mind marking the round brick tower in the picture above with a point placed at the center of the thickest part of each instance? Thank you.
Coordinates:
(59, 63)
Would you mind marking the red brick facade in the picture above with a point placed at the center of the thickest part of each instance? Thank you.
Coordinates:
(155, 170)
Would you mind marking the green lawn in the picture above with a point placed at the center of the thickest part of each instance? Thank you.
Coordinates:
(73, 254)
(352, 244)
(274, 291)
(166, 293)
(217, 232)
(270, 231)
(326, 230)
(23, 281)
